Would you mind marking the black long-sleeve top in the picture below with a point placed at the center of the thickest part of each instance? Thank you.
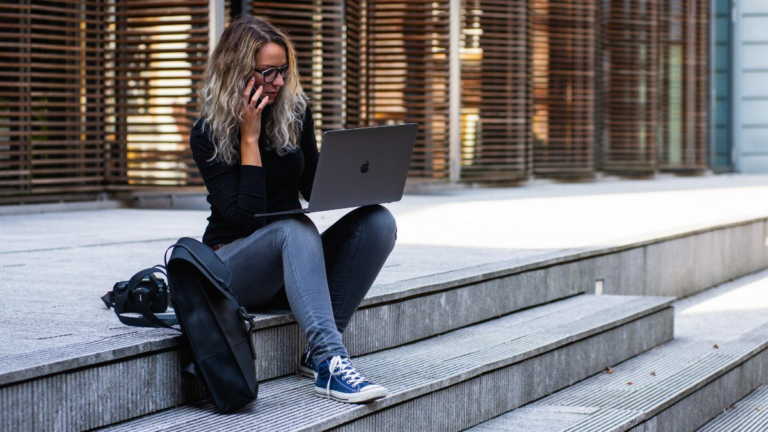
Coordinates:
(237, 192)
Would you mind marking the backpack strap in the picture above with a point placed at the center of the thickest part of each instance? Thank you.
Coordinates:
(148, 318)
(251, 328)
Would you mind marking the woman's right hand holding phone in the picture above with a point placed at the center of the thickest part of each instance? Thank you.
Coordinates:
(250, 125)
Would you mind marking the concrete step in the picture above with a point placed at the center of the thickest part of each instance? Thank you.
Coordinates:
(676, 387)
(458, 379)
(135, 371)
(747, 415)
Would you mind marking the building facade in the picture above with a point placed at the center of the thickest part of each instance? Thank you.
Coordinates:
(98, 96)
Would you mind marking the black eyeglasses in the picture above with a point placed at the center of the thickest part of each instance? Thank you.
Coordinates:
(270, 74)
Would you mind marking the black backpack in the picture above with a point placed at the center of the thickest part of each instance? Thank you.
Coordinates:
(218, 329)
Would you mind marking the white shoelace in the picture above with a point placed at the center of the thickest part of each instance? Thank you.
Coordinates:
(339, 366)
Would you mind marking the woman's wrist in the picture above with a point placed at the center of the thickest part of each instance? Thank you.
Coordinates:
(249, 151)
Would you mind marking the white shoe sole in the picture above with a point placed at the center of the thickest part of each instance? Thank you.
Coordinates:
(307, 372)
(371, 393)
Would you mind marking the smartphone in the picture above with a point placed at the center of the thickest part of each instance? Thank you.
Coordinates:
(253, 92)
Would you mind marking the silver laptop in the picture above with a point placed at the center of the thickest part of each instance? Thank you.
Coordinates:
(360, 167)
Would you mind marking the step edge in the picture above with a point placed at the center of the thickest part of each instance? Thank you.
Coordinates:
(437, 282)
(728, 418)
(93, 359)
(265, 320)
(645, 416)
(480, 370)
(738, 362)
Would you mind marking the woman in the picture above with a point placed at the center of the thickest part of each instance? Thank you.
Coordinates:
(255, 156)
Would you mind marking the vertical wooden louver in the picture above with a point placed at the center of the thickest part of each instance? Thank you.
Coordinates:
(407, 57)
(628, 85)
(564, 38)
(495, 97)
(683, 95)
(156, 54)
(704, 76)
(51, 99)
(355, 66)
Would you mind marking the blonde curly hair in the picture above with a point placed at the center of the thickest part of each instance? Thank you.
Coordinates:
(224, 81)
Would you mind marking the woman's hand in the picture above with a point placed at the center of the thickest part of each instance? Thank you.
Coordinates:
(250, 126)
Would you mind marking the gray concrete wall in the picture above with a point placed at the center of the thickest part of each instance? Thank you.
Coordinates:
(686, 264)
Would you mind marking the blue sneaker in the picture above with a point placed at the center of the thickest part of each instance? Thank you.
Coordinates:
(337, 379)
(307, 366)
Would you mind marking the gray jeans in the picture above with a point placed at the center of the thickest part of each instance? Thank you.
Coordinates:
(323, 277)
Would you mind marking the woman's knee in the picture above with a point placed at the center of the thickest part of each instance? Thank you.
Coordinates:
(379, 219)
(299, 229)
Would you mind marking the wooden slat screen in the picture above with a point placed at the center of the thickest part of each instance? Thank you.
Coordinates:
(407, 56)
(564, 86)
(355, 65)
(100, 95)
(703, 78)
(684, 92)
(154, 59)
(51, 98)
(628, 85)
(495, 90)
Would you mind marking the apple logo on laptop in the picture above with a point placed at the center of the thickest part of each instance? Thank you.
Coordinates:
(364, 167)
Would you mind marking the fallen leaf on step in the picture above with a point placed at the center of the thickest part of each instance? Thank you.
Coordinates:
(609, 370)
(729, 407)
(653, 373)
(715, 346)
(757, 409)
(629, 383)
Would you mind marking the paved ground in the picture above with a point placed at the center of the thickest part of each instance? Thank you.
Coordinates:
(55, 265)
(726, 312)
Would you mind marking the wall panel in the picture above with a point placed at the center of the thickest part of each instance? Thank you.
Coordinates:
(495, 90)
(684, 84)
(564, 97)
(156, 51)
(407, 59)
(629, 85)
(51, 99)
(722, 56)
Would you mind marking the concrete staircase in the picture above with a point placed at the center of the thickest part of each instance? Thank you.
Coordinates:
(748, 415)
(443, 344)
(478, 352)
(102, 382)
(719, 355)
(456, 349)
(460, 378)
